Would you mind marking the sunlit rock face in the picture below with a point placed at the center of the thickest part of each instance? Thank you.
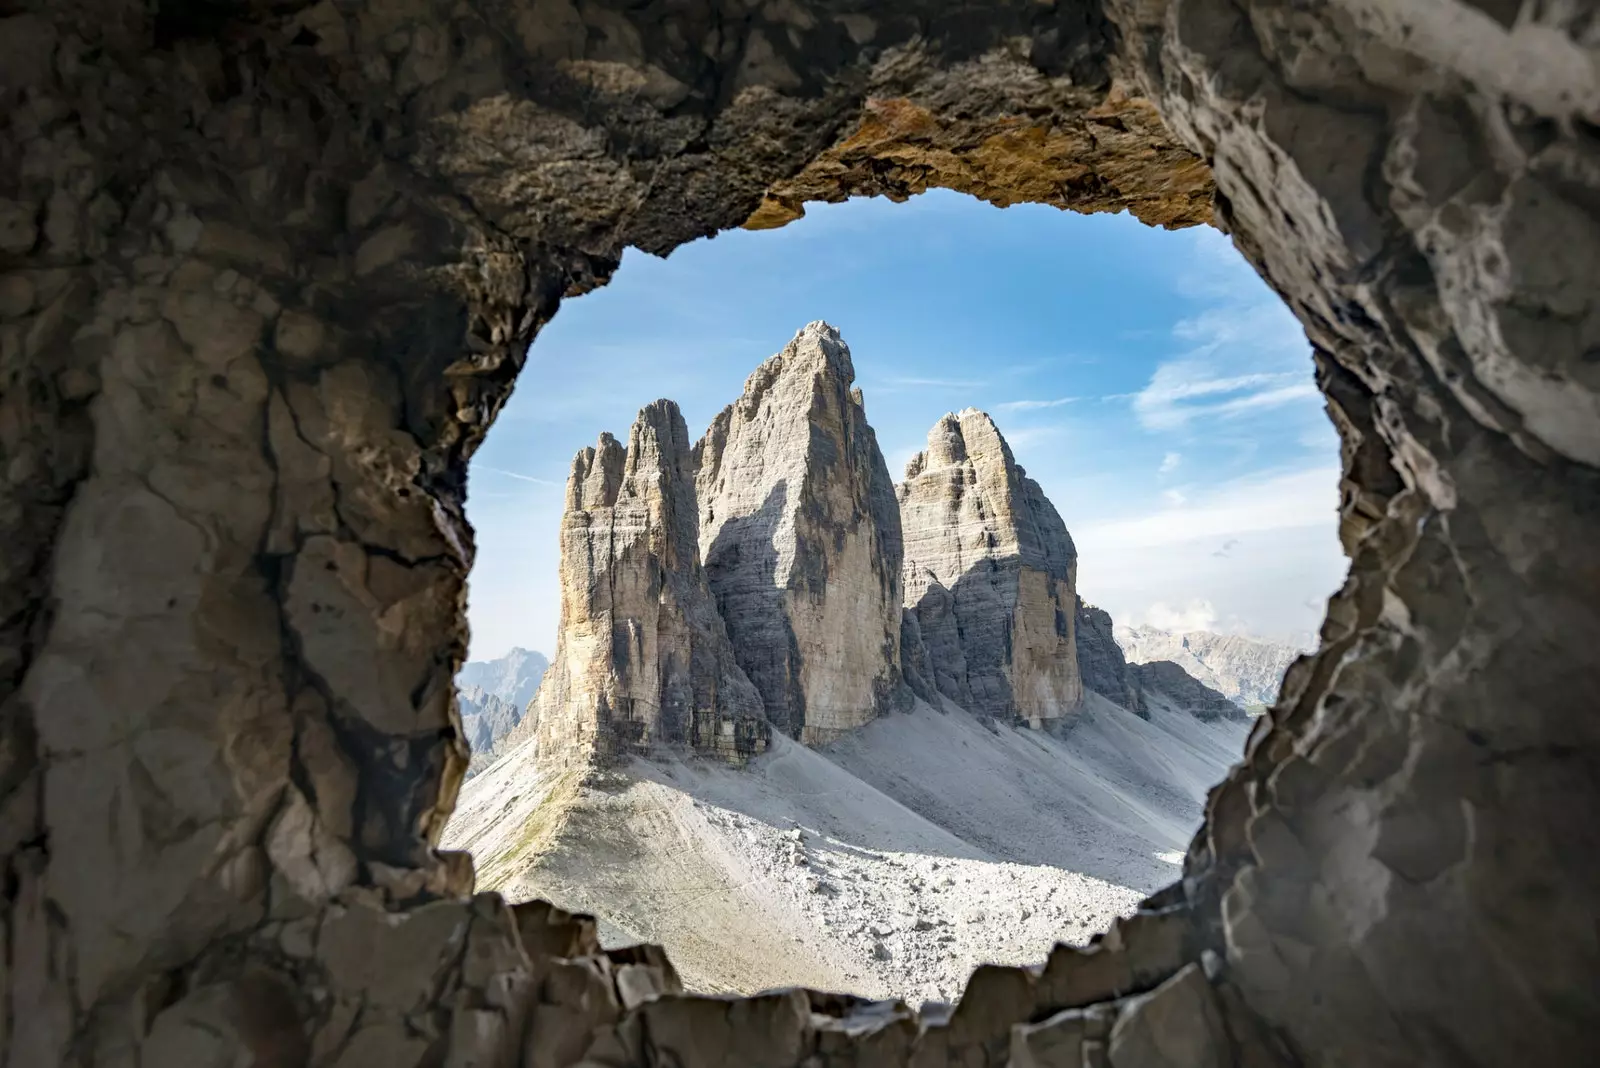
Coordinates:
(642, 660)
(801, 541)
(990, 572)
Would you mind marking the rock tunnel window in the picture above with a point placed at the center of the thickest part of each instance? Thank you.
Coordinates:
(919, 569)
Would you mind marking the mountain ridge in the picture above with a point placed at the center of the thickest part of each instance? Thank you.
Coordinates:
(806, 725)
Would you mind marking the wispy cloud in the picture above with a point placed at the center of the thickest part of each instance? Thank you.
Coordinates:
(1179, 619)
(1272, 501)
(1170, 462)
(1033, 405)
(1242, 353)
(1227, 548)
(1185, 390)
(519, 476)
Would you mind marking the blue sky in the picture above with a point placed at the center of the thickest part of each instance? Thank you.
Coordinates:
(1160, 393)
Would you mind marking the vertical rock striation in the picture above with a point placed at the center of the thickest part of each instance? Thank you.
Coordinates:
(990, 572)
(1100, 660)
(642, 659)
(801, 541)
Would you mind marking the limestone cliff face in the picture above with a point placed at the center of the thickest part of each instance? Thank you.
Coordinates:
(990, 572)
(641, 660)
(801, 541)
(1100, 660)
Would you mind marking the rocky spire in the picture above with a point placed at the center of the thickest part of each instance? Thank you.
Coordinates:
(642, 661)
(801, 541)
(990, 573)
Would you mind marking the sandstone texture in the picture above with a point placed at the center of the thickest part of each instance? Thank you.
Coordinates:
(1101, 661)
(1247, 671)
(269, 271)
(801, 541)
(990, 573)
(642, 659)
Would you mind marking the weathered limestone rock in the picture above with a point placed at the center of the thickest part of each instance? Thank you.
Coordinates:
(268, 271)
(1176, 1025)
(1101, 662)
(642, 659)
(990, 571)
(801, 541)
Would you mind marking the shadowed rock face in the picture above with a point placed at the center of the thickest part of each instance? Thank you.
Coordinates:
(642, 660)
(268, 271)
(1100, 659)
(1169, 681)
(990, 572)
(801, 541)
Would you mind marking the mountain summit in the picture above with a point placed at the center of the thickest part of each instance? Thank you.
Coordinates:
(990, 574)
(801, 541)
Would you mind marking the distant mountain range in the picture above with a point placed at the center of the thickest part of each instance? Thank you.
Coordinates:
(1248, 671)
(493, 695)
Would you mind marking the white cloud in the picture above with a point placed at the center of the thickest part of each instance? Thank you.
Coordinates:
(1033, 405)
(1242, 354)
(1195, 615)
(1028, 436)
(1174, 497)
(1170, 462)
(1261, 554)
(1278, 501)
(1184, 390)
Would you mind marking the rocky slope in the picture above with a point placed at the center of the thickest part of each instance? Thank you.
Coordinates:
(801, 541)
(888, 864)
(990, 573)
(1246, 670)
(642, 658)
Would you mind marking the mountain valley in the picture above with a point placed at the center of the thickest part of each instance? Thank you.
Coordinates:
(805, 725)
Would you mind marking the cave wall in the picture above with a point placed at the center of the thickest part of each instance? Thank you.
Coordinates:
(268, 271)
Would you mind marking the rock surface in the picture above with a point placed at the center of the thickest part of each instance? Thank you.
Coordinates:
(990, 573)
(1247, 671)
(642, 659)
(268, 272)
(801, 541)
(1101, 661)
